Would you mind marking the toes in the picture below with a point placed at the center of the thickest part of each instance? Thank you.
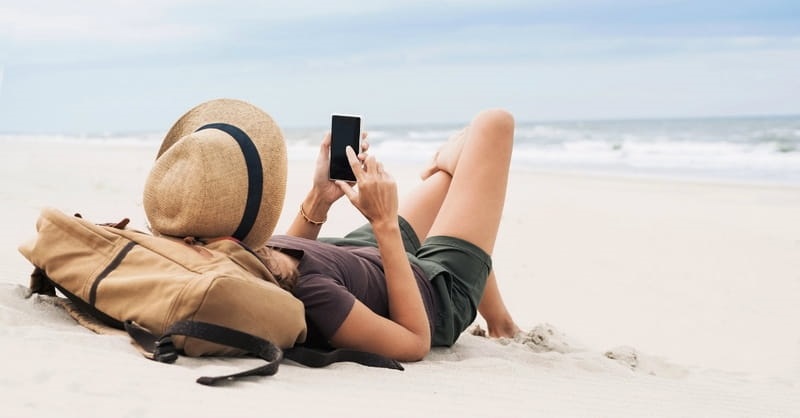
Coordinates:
(477, 331)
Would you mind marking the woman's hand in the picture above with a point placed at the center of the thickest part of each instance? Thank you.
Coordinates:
(376, 197)
(326, 189)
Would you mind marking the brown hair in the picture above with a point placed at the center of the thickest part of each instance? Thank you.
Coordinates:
(286, 277)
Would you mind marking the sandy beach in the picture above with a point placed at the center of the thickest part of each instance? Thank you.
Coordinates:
(645, 297)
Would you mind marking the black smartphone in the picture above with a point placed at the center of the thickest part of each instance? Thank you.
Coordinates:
(345, 130)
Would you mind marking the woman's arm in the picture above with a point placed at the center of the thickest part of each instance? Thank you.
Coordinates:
(313, 212)
(406, 334)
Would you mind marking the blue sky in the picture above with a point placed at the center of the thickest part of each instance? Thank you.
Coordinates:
(127, 66)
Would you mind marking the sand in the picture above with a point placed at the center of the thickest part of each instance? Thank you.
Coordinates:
(642, 297)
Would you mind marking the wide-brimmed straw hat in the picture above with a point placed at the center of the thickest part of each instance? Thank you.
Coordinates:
(220, 172)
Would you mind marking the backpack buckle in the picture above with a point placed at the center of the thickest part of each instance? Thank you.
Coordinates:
(164, 350)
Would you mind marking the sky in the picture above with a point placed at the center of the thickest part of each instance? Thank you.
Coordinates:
(117, 66)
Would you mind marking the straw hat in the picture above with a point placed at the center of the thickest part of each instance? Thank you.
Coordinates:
(221, 171)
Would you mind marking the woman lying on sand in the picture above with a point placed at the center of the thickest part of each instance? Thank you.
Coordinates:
(414, 276)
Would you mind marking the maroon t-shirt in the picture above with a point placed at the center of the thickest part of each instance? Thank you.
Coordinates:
(332, 277)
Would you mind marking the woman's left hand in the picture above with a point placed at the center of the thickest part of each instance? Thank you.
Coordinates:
(325, 188)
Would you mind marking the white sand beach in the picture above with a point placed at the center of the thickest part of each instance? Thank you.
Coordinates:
(692, 287)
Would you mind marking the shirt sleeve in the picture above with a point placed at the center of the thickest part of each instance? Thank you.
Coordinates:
(327, 302)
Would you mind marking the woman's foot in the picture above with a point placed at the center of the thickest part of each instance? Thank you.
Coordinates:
(446, 158)
(505, 328)
(509, 330)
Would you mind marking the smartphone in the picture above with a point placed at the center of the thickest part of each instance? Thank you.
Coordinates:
(345, 130)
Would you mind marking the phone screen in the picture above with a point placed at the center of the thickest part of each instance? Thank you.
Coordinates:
(345, 130)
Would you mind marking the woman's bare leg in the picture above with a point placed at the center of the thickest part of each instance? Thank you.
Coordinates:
(494, 311)
(421, 206)
(450, 195)
(474, 202)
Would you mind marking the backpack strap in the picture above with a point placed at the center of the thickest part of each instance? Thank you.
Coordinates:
(318, 358)
(162, 349)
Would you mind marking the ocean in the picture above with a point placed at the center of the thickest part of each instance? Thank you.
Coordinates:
(760, 150)
(745, 149)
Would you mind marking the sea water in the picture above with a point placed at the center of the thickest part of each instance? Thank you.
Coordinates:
(745, 149)
(752, 149)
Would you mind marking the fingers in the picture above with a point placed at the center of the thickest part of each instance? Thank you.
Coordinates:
(325, 146)
(359, 167)
(362, 155)
(355, 162)
(326, 142)
(364, 142)
(371, 164)
(351, 155)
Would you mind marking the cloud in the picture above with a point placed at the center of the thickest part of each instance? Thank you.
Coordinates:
(92, 64)
(109, 21)
(118, 32)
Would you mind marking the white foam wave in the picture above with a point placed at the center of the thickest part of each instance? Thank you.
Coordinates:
(755, 149)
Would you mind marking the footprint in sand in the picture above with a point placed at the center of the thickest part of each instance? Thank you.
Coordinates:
(546, 338)
(641, 363)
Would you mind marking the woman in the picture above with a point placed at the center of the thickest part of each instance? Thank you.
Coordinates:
(379, 289)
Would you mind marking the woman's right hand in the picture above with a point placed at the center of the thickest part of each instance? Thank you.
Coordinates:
(376, 193)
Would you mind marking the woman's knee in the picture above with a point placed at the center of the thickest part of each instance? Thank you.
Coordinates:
(495, 127)
(499, 122)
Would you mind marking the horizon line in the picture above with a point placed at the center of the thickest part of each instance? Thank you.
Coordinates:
(436, 124)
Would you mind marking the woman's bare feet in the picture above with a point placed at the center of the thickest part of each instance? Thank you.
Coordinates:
(505, 328)
(446, 158)
(509, 330)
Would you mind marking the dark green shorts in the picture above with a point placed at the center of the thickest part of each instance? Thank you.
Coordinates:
(456, 268)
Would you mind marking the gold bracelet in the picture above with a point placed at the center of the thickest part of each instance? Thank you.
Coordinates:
(309, 220)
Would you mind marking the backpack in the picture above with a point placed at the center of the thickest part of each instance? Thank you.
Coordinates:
(176, 296)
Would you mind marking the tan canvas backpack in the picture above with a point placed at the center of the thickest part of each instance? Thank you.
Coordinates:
(214, 298)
